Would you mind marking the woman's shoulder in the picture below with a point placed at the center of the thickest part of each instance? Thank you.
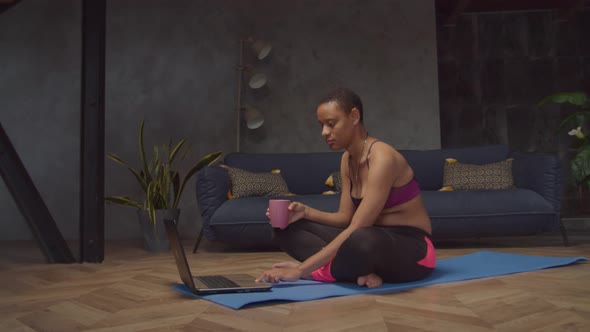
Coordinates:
(382, 147)
(385, 150)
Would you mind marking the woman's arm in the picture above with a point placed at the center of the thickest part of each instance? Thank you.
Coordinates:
(334, 219)
(343, 217)
(380, 181)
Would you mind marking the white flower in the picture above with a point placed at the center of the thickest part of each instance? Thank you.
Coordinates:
(576, 132)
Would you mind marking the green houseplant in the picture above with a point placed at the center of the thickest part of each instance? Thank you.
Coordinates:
(577, 123)
(162, 187)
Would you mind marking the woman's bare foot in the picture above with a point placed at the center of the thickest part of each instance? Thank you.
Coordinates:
(370, 280)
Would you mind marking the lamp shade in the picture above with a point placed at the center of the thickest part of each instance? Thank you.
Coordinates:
(253, 117)
(255, 80)
(261, 48)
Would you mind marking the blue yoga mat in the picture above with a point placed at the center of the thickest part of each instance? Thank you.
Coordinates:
(481, 264)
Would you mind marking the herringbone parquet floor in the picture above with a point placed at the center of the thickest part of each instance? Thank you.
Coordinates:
(131, 291)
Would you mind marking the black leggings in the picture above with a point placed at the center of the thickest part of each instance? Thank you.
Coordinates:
(394, 253)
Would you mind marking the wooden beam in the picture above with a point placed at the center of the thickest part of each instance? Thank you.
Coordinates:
(92, 153)
(31, 204)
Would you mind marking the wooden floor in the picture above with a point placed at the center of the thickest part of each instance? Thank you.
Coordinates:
(131, 291)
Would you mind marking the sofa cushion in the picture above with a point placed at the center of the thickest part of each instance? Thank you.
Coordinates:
(334, 182)
(428, 164)
(460, 176)
(481, 213)
(484, 203)
(253, 209)
(541, 172)
(245, 184)
(305, 173)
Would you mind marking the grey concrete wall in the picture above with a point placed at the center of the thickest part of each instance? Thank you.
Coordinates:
(40, 107)
(383, 50)
(173, 63)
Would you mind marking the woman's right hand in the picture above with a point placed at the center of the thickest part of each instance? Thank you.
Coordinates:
(296, 212)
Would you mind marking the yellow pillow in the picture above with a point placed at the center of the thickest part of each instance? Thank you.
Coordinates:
(458, 176)
(246, 184)
(334, 181)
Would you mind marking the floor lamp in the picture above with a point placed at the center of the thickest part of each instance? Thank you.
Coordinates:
(253, 117)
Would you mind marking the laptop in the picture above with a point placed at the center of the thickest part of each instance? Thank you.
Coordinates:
(209, 284)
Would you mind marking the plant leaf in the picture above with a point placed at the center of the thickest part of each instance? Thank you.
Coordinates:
(576, 119)
(152, 213)
(580, 165)
(137, 175)
(150, 204)
(166, 185)
(205, 161)
(123, 200)
(157, 154)
(574, 98)
(188, 148)
(146, 171)
(175, 151)
(175, 183)
(154, 191)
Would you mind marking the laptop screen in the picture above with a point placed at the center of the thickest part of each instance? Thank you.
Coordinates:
(176, 246)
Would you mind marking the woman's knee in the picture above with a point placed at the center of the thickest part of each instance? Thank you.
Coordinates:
(297, 241)
(288, 231)
(362, 242)
(356, 256)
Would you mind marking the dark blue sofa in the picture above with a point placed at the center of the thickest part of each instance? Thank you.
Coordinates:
(532, 207)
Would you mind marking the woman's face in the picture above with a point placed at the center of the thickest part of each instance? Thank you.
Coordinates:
(336, 125)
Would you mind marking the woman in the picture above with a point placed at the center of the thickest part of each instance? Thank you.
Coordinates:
(381, 231)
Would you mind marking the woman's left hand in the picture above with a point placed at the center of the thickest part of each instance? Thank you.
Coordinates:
(280, 273)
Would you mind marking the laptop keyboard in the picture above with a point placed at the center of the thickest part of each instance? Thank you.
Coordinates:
(217, 282)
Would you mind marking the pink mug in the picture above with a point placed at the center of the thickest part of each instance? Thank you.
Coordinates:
(279, 212)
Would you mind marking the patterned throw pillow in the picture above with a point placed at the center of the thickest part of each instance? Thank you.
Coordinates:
(334, 181)
(458, 176)
(245, 183)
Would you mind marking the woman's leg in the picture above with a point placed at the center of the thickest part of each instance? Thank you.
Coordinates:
(304, 238)
(392, 253)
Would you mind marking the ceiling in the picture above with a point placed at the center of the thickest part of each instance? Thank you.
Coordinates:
(472, 6)
(5, 4)
(449, 10)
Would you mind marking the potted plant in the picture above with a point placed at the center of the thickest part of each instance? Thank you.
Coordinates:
(162, 186)
(577, 123)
